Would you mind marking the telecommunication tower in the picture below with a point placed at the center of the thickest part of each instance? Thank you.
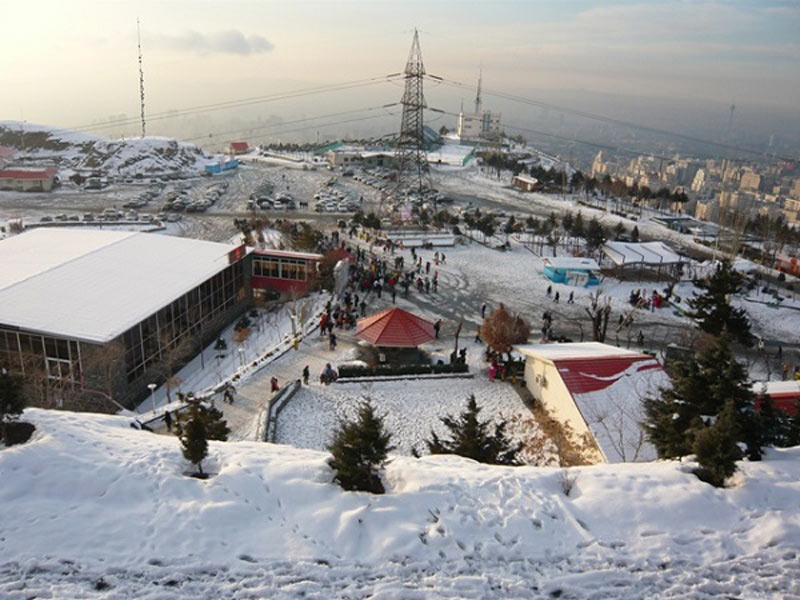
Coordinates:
(412, 158)
(141, 75)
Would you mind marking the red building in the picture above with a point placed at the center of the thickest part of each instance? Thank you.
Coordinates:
(284, 271)
(785, 395)
(27, 179)
(238, 148)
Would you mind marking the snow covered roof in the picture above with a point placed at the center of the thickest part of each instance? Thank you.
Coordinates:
(607, 385)
(395, 328)
(287, 254)
(574, 350)
(609, 394)
(526, 179)
(92, 284)
(571, 262)
(28, 173)
(649, 253)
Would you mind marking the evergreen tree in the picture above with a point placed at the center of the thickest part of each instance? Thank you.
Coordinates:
(359, 451)
(716, 448)
(595, 235)
(473, 438)
(700, 390)
(578, 229)
(712, 310)
(635, 234)
(619, 230)
(12, 401)
(194, 444)
(216, 427)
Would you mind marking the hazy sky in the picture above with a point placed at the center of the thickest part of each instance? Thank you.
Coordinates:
(68, 62)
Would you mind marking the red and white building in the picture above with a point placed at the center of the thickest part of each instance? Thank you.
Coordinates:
(785, 395)
(283, 271)
(597, 390)
(28, 179)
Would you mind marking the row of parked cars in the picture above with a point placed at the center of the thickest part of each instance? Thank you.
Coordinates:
(179, 200)
(335, 200)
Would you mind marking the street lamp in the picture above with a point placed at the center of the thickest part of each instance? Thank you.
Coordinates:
(152, 387)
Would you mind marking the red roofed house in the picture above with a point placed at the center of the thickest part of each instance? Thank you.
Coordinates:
(598, 391)
(238, 148)
(785, 394)
(28, 179)
(395, 328)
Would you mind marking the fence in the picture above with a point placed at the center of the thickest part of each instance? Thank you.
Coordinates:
(268, 419)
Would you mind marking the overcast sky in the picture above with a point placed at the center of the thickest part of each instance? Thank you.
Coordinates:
(68, 62)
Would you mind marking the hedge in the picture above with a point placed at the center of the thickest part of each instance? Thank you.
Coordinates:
(346, 371)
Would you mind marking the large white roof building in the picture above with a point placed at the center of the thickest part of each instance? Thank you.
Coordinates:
(93, 285)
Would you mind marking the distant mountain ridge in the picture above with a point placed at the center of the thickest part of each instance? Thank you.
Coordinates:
(75, 151)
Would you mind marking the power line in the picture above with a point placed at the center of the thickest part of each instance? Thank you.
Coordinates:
(606, 119)
(248, 130)
(239, 103)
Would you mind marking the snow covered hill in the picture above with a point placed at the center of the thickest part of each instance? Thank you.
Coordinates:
(93, 508)
(83, 152)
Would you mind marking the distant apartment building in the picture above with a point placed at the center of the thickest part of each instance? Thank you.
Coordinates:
(699, 181)
(749, 181)
(599, 166)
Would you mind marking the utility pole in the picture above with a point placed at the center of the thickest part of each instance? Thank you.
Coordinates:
(141, 74)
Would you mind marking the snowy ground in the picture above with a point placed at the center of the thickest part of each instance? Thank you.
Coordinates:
(103, 511)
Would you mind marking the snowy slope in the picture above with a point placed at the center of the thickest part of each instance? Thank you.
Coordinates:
(92, 504)
(77, 151)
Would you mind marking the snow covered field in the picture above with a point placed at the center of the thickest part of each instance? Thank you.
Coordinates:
(95, 509)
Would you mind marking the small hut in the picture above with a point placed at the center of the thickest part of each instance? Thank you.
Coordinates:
(396, 334)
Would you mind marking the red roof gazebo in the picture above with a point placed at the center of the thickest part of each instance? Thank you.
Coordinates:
(395, 328)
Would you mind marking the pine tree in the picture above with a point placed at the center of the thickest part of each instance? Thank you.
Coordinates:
(595, 235)
(359, 451)
(473, 438)
(12, 401)
(712, 309)
(635, 234)
(216, 427)
(194, 442)
(716, 448)
(701, 388)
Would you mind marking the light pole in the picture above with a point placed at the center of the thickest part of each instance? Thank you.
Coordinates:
(152, 387)
(241, 357)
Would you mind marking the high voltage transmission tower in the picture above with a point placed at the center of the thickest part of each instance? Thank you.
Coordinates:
(412, 158)
(141, 74)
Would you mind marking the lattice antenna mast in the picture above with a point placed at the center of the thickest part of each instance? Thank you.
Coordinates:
(478, 101)
(411, 155)
(141, 75)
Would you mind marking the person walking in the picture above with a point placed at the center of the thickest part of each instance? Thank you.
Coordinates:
(306, 374)
(332, 341)
(437, 326)
(435, 284)
(274, 384)
(168, 420)
(394, 295)
(363, 308)
(556, 296)
(571, 299)
(549, 290)
(483, 311)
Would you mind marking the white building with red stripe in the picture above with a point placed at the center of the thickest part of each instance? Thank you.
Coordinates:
(597, 390)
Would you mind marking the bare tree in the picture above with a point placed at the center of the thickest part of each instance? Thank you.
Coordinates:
(599, 312)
